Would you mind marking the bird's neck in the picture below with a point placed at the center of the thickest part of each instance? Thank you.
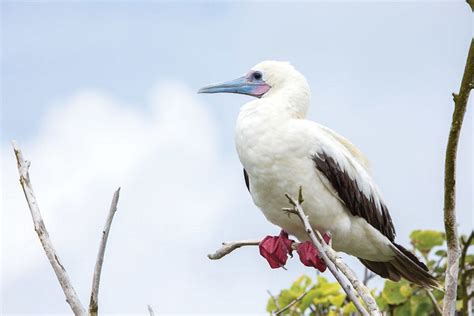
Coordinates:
(292, 101)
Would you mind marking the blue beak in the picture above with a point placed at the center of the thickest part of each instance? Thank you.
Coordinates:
(240, 85)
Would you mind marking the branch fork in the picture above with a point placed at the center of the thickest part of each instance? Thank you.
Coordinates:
(69, 292)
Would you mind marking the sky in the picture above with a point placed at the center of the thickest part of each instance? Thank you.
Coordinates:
(103, 94)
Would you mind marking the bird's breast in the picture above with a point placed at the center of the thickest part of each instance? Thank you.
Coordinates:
(278, 161)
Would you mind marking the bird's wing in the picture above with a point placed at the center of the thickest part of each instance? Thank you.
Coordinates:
(353, 150)
(349, 181)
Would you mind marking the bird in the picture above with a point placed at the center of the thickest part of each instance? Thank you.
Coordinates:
(281, 150)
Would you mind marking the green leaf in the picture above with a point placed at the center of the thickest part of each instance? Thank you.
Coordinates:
(470, 258)
(349, 308)
(301, 284)
(271, 307)
(321, 280)
(308, 299)
(286, 297)
(441, 253)
(421, 305)
(322, 300)
(392, 294)
(438, 294)
(381, 302)
(425, 240)
(330, 289)
(406, 290)
(403, 310)
(337, 300)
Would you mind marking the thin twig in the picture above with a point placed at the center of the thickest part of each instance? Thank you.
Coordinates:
(93, 304)
(464, 271)
(438, 310)
(228, 247)
(274, 299)
(466, 245)
(40, 228)
(293, 302)
(450, 224)
(335, 264)
(368, 275)
(150, 310)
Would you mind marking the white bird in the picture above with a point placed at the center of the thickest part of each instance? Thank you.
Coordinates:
(281, 150)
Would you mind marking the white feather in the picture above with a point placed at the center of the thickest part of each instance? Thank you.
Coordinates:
(275, 145)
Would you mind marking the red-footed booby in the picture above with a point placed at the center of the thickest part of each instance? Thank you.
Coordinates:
(281, 150)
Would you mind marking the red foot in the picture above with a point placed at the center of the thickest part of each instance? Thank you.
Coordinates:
(309, 255)
(276, 249)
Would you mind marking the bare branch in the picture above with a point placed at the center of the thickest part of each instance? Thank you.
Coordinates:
(229, 246)
(63, 278)
(293, 302)
(93, 304)
(275, 301)
(368, 275)
(465, 272)
(150, 310)
(336, 265)
(438, 310)
(450, 225)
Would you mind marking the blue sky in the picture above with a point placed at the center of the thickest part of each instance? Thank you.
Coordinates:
(80, 80)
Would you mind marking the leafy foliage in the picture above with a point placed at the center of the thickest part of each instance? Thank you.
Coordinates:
(425, 240)
(321, 297)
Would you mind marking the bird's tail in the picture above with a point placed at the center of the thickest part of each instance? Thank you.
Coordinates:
(406, 265)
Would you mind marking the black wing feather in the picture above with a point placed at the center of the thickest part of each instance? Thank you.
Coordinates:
(354, 199)
(247, 181)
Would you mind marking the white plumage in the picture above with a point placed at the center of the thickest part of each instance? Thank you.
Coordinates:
(281, 150)
(275, 145)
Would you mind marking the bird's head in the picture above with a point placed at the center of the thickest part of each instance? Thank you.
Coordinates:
(268, 78)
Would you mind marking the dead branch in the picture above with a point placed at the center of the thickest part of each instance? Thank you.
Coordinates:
(63, 278)
(150, 310)
(368, 275)
(93, 304)
(437, 308)
(450, 225)
(228, 247)
(274, 299)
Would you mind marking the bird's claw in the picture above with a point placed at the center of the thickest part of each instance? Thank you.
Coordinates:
(276, 249)
(310, 256)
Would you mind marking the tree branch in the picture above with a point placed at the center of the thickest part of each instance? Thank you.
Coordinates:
(150, 310)
(63, 278)
(336, 265)
(228, 247)
(465, 273)
(450, 225)
(368, 275)
(293, 302)
(93, 304)
(275, 301)
(437, 309)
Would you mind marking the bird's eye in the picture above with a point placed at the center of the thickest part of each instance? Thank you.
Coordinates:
(257, 75)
